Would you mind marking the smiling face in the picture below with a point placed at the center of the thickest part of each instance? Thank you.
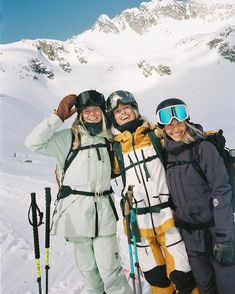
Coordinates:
(92, 114)
(123, 114)
(176, 129)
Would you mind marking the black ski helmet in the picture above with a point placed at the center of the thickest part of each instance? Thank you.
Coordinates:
(118, 97)
(168, 103)
(90, 98)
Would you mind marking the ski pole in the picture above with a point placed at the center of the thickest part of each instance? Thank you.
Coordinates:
(47, 234)
(134, 237)
(35, 222)
(127, 207)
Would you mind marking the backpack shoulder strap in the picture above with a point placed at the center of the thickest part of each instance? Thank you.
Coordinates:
(195, 159)
(118, 153)
(110, 149)
(71, 154)
(157, 146)
(109, 146)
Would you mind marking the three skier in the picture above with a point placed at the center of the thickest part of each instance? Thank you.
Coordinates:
(85, 212)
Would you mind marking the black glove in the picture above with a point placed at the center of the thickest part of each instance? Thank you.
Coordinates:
(224, 252)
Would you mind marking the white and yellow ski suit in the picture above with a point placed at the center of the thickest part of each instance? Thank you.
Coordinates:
(162, 255)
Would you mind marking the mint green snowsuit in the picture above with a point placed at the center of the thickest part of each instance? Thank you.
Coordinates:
(88, 223)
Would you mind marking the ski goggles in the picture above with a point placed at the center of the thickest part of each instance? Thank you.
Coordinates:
(89, 98)
(113, 103)
(165, 115)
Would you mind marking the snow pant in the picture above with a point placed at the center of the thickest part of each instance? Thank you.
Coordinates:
(98, 261)
(163, 260)
(211, 278)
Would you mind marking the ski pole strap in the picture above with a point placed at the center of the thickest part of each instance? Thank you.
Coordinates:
(156, 208)
(35, 210)
(35, 223)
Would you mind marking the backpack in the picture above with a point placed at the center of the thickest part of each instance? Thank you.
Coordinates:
(73, 152)
(118, 152)
(228, 155)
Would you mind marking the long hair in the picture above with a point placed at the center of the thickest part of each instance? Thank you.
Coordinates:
(78, 126)
(191, 132)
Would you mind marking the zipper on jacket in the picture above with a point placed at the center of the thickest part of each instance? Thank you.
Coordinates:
(96, 216)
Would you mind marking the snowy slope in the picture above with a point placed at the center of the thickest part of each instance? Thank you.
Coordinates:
(18, 270)
(183, 51)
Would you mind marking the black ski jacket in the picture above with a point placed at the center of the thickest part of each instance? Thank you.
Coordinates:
(199, 201)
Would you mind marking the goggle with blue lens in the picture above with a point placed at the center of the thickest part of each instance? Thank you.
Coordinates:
(165, 115)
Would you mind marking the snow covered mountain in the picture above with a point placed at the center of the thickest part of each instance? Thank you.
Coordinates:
(159, 50)
(150, 14)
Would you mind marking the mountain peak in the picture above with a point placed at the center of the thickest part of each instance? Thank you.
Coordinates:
(105, 24)
(149, 14)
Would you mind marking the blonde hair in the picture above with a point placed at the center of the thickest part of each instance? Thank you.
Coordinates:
(137, 114)
(191, 132)
(78, 125)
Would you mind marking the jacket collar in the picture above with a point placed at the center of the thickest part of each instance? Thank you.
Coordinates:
(140, 131)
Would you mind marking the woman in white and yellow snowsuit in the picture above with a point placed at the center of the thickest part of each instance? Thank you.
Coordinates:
(162, 255)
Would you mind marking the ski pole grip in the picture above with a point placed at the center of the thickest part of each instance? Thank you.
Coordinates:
(128, 200)
(130, 189)
(35, 225)
(47, 220)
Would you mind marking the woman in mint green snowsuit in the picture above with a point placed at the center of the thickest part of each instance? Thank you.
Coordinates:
(85, 215)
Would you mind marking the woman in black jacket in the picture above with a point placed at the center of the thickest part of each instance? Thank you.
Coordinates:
(202, 205)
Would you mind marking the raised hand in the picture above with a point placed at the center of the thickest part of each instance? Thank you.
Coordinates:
(66, 107)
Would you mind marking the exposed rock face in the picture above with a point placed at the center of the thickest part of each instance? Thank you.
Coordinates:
(149, 13)
(48, 57)
(54, 51)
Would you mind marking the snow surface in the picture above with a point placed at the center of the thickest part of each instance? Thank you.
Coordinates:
(200, 76)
